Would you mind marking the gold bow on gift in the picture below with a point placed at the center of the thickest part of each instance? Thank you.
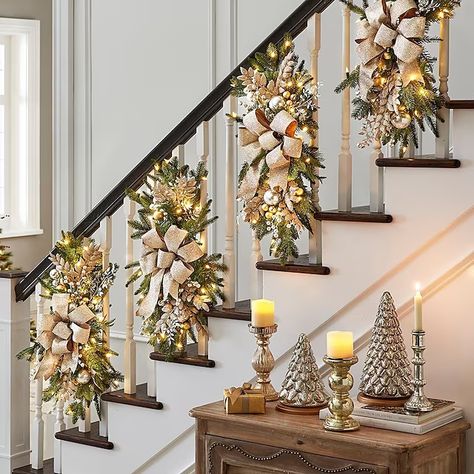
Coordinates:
(60, 332)
(392, 25)
(167, 261)
(277, 139)
(233, 393)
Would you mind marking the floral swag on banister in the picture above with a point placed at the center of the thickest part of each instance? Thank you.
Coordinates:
(70, 347)
(179, 281)
(278, 141)
(395, 81)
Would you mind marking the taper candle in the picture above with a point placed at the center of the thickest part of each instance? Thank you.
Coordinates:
(263, 313)
(340, 345)
(418, 304)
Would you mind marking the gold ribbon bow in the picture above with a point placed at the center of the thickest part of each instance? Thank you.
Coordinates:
(60, 332)
(277, 139)
(233, 393)
(390, 25)
(167, 261)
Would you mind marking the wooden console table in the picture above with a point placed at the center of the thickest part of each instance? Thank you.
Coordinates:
(291, 444)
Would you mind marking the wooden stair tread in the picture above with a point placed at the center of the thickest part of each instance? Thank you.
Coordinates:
(422, 161)
(300, 265)
(357, 214)
(92, 438)
(138, 399)
(460, 104)
(241, 312)
(48, 468)
(191, 357)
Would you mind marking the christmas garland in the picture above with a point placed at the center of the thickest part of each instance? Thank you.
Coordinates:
(395, 81)
(277, 137)
(179, 282)
(69, 347)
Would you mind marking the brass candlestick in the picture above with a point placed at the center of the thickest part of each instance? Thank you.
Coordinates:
(418, 402)
(340, 403)
(263, 361)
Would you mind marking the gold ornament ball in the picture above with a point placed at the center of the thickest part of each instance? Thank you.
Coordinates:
(293, 97)
(289, 103)
(268, 215)
(299, 192)
(83, 376)
(158, 215)
(387, 55)
(287, 94)
(271, 198)
(401, 122)
(276, 103)
(272, 209)
(265, 207)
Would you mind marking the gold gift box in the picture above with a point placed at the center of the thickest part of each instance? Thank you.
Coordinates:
(244, 400)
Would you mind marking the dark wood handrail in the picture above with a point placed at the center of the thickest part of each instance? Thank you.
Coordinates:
(204, 111)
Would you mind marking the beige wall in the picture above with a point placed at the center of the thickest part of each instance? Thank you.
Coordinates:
(28, 251)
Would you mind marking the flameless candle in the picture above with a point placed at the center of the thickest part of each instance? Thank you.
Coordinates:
(263, 313)
(340, 345)
(418, 303)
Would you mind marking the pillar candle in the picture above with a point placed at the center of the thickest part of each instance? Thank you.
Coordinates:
(418, 303)
(263, 313)
(340, 345)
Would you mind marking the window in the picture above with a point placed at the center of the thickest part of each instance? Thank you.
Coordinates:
(19, 127)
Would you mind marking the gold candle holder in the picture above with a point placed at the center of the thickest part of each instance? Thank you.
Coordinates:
(340, 403)
(263, 361)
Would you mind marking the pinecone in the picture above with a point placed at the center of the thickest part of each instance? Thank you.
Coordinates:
(287, 67)
(385, 111)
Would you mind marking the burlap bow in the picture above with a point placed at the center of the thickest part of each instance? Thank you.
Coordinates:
(167, 261)
(60, 332)
(277, 139)
(390, 25)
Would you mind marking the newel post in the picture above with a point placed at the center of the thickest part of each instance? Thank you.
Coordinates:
(14, 376)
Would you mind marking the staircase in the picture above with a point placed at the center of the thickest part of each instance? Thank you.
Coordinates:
(426, 205)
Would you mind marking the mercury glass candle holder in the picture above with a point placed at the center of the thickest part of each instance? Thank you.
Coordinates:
(340, 403)
(263, 361)
(418, 402)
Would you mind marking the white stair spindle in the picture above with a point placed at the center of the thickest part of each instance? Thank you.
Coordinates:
(202, 144)
(393, 151)
(229, 252)
(315, 237)
(85, 424)
(151, 379)
(178, 152)
(130, 348)
(345, 156)
(442, 142)
(257, 275)
(37, 429)
(59, 425)
(105, 246)
(420, 142)
(376, 179)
